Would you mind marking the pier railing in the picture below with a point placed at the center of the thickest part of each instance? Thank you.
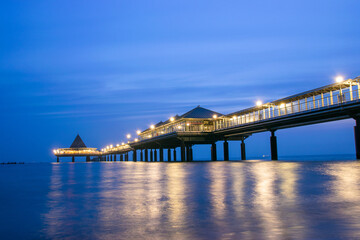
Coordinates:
(326, 97)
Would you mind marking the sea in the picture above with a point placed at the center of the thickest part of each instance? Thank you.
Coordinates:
(256, 199)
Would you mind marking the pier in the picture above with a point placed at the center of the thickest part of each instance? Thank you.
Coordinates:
(203, 126)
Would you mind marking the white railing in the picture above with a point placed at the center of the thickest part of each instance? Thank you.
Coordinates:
(308, 102)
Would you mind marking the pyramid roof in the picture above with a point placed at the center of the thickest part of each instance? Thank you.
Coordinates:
(78, 143)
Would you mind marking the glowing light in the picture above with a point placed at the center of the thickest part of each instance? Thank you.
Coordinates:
(188, 124)
(54, 151)
(339, 79)
(234, 117)
(122, 143)
(215, 116)
(282, 105)
(179, 127)
(259, 103)
(138, 132)
(128, 136)
(117, 145)
(111, 146)
(152, 126)
(136, 139)
(172, 119)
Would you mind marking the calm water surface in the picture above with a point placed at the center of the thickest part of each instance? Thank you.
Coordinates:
(206, 200)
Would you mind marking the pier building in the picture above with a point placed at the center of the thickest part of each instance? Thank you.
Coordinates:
(77, 149)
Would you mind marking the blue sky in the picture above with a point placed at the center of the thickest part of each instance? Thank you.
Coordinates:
(104, 69)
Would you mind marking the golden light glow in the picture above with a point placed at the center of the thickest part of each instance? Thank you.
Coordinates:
(128, 136)
(339, 79)
(259, 103)
(117, 145)
(234, 117)
(138, 132)
(172, 119)
(111, 146)
(215, 116)
(188, 124)
(179, 127)
(136, 139)
(282, 105)
(122, 143)
(152, 126)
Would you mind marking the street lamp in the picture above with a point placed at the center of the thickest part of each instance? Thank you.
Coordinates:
(339, 79)
(128, 136)
(259, 103)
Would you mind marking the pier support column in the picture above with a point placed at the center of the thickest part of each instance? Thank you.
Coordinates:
(73, 159)
(126, 156)
(146, 155)
(141, 155)
(161, 154)
(357, 137)
(155, 155)
(242, 147)
(182, 149)
(273, 145)
(169, 154)
(121, 157)
(213, 152)
(226, 150)
(187, 153)
(88, 158)
(134, 156)
(174, 152)
(57, 159)
(151, 155)
(191, 154)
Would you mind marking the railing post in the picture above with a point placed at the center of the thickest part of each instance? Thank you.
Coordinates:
(351, 92)
(322, 99)
(331, 98)
(314, 104)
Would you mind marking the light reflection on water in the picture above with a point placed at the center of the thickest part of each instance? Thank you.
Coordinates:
(209, 200)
